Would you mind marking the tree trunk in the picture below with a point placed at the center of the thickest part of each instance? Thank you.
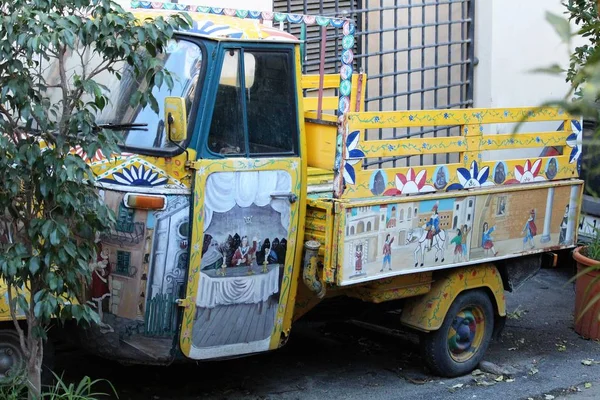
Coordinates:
(34, 368)
(35, 381)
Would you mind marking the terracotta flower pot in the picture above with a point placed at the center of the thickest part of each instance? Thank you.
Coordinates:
(588, 324)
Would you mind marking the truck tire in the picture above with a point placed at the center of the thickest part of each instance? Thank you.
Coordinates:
(461, 342)
(12, 358)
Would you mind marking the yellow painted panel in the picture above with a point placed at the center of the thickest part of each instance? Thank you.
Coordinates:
(401, 147)
(425, 179)
(329, 103)
(388, 289)
(396, 119)
(320, 145)
(427, 312)
(311, 81)
(523, 140)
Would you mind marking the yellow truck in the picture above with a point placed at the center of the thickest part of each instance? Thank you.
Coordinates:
(249, 200)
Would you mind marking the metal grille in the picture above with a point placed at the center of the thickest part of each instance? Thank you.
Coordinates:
(417, 54)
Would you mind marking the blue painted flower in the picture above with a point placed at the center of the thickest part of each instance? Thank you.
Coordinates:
(411, 118)
(354, 156)
(390, 147)
(538, 139)
(506, 113)
(134, 176)
(489, 141)
(446, 116)
(471, 178)
(425, 145)
(574, 141)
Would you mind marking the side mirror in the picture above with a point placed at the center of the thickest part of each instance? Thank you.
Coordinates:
(176, 118)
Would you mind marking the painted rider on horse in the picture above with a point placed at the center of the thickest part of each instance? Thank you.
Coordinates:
(433, 225)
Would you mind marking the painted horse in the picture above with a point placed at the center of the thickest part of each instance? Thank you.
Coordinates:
(419, 235)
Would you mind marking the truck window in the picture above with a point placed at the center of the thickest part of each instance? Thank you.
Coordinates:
(258, 111)
(270, 104)
(226, 134)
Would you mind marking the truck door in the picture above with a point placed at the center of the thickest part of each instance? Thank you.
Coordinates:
(247, 199)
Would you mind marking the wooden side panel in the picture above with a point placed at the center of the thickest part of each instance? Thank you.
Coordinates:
(319, 227)
(473, 170)
(388, 238)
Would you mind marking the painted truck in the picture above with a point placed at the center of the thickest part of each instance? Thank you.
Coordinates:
(257, 202)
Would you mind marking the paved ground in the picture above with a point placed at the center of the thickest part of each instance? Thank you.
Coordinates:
(340, 359)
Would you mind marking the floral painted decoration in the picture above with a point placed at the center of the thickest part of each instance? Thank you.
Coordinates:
(410, 183)
(354, 156)
(574, 141)
(471, 178)
(136, 176)
(527, 173)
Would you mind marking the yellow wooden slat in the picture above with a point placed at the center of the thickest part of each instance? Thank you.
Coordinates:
(404, 147)
(523, 140)
(397, 119)
(362, 189)
(329, 103)
(312, 81)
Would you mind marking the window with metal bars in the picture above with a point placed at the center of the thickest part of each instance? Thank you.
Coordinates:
(417, 54)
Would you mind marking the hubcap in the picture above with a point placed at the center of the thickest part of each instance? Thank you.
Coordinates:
(466, 333)
(11, 359)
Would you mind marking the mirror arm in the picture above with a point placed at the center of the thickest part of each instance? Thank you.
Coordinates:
(169, 123)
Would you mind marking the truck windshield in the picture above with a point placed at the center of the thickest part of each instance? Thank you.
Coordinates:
(184, 60)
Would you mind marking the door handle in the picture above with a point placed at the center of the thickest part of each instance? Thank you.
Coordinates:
(292, 198)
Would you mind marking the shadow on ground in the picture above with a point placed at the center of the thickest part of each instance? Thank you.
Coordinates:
(340, 359)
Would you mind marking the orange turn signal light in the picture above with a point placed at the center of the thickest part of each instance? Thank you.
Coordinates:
(145, 201)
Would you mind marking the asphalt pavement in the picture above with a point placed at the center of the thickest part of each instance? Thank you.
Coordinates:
(539, 356)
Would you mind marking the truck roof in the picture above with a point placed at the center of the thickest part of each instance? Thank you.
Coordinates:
(223, 27)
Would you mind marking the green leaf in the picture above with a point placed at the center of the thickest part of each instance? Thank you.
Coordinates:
(54, 239)
(561, 25)
(34, 264)
(554, 69)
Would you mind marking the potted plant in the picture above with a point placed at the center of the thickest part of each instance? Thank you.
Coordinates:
(587, 288)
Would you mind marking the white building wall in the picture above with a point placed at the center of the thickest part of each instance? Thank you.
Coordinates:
(513, 38)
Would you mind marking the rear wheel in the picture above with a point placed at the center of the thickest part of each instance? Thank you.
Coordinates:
(12, 358)
(460, 343)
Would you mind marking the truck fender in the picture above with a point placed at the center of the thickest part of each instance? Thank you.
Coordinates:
(426, 313)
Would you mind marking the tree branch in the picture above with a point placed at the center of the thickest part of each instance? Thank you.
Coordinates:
(16, 321)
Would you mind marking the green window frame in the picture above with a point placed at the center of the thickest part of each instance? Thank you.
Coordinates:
(125, 219)
(123, 262)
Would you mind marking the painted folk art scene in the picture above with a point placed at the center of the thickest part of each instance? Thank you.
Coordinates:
(407, 237)
(243, 252)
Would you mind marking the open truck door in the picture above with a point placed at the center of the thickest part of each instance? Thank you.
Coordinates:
(247, 200)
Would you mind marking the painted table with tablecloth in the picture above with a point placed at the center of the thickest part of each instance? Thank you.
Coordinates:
(237, 286)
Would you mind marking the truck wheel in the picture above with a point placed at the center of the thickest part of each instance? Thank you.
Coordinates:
(459, 345)
(12, 359)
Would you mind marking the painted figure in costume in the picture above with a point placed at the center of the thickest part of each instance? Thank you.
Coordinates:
(100, 288)
(387, 253)
(465, 235)
(530, 230)
(486, 239)
(562, 237)
(212, 258)
(499, 174)
(358, 259)
(433, 225)
(245, 254)
(440, 179)
(457, 242)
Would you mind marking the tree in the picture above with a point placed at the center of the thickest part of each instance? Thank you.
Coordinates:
(50, 211)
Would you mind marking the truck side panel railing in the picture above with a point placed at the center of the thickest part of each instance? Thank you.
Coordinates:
(478, 166)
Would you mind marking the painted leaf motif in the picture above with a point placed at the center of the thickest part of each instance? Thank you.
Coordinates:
(355, 153)
(349, 174)
(421, 179)
(484, 173)
(454, 186)
(352, 140)
(572, 140)
(463, 176)
(392, 192)
(535, 168)
(474, 170)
